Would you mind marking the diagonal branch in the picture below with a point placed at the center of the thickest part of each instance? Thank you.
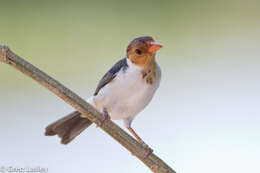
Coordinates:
(152, 161)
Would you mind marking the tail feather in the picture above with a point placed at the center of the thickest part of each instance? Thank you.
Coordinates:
(68, 127)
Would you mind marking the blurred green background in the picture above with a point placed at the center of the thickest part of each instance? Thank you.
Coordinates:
(204, 117)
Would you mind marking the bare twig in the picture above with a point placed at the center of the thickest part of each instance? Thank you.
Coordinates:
(152, 161)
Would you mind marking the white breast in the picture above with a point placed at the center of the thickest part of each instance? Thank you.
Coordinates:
(127, 94)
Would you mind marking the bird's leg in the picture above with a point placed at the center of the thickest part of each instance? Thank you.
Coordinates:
(105, 117)
(141, 141)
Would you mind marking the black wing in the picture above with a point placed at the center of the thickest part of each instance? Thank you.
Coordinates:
(111, 74)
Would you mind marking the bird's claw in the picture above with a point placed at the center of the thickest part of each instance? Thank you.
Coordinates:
(150, 151)
(105, 118)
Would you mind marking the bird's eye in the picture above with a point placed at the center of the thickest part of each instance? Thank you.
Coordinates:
(138, 51)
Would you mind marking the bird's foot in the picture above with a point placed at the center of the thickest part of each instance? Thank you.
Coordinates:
(149, 151)
(141, 142)
(105, 117)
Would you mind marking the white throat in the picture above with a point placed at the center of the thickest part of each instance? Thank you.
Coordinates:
(132, 65)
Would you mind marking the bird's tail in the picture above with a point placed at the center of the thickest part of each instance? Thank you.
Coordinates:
(68, 127)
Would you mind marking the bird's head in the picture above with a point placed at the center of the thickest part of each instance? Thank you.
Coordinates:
(142, 50)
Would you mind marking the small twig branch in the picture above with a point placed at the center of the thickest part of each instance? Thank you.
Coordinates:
(152, 161)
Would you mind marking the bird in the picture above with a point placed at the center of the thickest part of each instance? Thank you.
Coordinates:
(123, 92)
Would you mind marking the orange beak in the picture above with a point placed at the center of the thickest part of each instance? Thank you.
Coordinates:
(154, 46)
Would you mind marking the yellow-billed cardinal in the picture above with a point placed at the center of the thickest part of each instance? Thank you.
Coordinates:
(121, 94)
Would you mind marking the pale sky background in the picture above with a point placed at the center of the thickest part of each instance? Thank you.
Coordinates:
(204, 117)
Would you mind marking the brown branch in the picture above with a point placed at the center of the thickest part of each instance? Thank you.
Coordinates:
(152, 161)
